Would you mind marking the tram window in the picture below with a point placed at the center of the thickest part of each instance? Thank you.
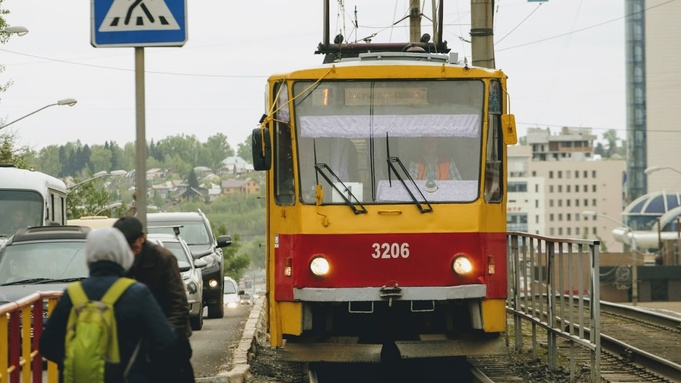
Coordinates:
(57, 211)
(283, 165)
(494, 153)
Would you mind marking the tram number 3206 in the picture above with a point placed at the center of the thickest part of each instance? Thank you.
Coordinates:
(390, 250)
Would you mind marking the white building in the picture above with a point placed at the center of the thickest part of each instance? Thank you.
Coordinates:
(551, 183)
(663, 80)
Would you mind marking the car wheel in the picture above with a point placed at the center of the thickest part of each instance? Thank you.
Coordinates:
(217, 309)
(196, 322)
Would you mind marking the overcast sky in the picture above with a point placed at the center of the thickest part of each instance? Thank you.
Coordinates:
(564, 58)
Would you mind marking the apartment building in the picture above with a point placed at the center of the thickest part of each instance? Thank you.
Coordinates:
(662, 92)
(554, 178)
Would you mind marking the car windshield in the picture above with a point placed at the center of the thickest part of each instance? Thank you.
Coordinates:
(229, 288)
(194, 233)
(177, 250)
(56, 260)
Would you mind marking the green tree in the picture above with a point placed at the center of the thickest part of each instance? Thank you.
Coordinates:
(181, 147)
(236, 262)
(214, 151)
(610, 136)
(4, 37)
(11, 154)
(48, 161)
(100, 158)
(600, 150)
(192, 180)
(244, 150)
(88, 198)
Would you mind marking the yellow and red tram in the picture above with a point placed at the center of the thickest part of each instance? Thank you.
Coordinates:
(369, 243)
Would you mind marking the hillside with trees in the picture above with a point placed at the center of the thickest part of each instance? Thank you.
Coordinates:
(240, 214)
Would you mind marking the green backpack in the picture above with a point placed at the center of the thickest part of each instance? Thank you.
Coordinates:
(91, 334)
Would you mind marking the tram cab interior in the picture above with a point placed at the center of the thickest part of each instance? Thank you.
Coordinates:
(343, 147)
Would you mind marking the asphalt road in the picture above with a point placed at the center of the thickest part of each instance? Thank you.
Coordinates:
(212, 346)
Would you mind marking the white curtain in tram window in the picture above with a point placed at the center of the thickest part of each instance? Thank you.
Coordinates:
(438, 125)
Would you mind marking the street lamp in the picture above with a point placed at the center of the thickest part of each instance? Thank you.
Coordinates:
(109, 207)
(653, 169)
(19, 31)
(95, 176)
(634, 253)
(66, 101)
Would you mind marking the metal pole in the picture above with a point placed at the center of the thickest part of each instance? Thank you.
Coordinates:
(634, 270)
(414, 21)
(482, 33)
(141, 143)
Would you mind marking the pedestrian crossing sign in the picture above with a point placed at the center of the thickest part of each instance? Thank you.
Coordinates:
(138, 23)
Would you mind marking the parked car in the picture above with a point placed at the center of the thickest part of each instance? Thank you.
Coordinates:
(246, 299)
(42, 258)
(231, 294)
(190, 269)
(195, 229)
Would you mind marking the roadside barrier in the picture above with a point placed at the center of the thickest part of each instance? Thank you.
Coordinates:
(21, 324)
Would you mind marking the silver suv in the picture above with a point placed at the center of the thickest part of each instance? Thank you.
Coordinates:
(195, 229)
(191, 274)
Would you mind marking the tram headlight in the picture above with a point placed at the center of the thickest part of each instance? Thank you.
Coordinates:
(319, 266)
(462, 265)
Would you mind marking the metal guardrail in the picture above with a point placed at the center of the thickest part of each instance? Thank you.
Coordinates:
(21, 324)
(552, 283)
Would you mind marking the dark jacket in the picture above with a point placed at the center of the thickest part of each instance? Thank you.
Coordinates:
(156, 267)
(138, 316)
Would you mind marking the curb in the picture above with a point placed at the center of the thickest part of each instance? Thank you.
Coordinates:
(240, 372)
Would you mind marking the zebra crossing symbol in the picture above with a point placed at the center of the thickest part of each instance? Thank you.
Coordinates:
(138, 15)
(138, 23)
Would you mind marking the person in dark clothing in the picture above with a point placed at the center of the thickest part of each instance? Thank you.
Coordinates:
(138, 316)
(156, 267)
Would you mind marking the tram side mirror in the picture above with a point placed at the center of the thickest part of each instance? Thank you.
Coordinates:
(508, 126)
(262, 149)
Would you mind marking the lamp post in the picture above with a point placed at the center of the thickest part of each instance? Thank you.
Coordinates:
(95, 176)
(634, 253)
(18, 30)
(66, 101)
(653, 169)
(109, 207)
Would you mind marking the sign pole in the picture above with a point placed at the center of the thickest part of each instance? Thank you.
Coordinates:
(141, 143)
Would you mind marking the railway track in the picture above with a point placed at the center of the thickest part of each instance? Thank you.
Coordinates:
(637, 346)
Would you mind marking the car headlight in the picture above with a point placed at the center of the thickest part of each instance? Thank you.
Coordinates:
(232, 305)
(462, 265)
(192, 287)
(209, 260)
(319, 266)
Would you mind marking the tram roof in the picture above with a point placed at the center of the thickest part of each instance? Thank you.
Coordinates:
(370, 59)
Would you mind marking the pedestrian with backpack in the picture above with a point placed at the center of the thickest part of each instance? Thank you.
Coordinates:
(156, 267)
(102, 326)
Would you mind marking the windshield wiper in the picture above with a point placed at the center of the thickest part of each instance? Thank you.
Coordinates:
(391, 166)
(344, 191)
(30, 281)
(319, 169)
(61, 280)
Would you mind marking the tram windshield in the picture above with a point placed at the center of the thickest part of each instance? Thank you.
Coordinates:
(429, 130)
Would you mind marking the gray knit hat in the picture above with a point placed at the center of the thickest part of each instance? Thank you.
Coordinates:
(108, 244)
